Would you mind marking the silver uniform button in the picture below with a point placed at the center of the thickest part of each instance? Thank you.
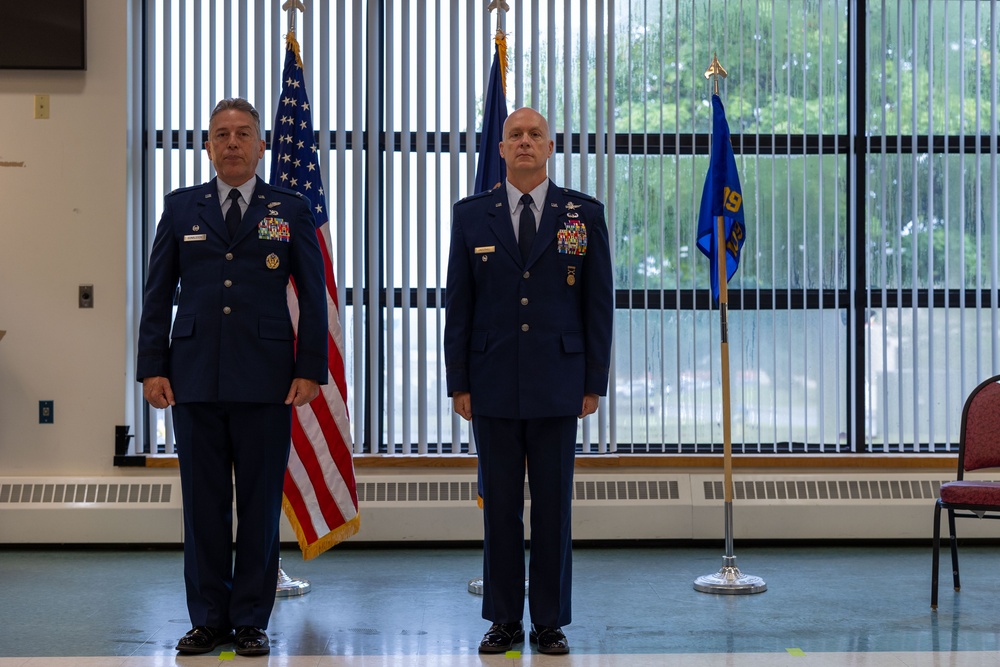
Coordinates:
(524, 301)
(228, 283)
(524, 327)
(527, 274)
(227, 310)
(229, 256)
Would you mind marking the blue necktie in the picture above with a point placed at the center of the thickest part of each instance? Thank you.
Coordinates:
(525, 228)
(234, 214)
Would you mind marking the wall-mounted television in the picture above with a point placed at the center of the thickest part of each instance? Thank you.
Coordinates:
(43, 34)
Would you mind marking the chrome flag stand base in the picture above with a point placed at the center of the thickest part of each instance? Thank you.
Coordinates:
(476, 586)
(288, 587)
(729, 580)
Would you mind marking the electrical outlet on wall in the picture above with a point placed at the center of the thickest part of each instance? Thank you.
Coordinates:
(86, 296)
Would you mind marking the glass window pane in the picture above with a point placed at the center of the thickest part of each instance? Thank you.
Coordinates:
(786, 378)
(796, 220)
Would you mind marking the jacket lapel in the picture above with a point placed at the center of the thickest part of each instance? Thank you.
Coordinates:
(548, 226)
(210, 210)
(255, 210)
(498, 214)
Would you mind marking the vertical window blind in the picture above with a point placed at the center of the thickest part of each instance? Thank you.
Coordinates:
(865, 306)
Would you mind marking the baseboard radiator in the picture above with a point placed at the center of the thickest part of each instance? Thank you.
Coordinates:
(442, 507)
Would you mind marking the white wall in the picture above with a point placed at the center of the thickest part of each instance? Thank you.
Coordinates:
(63, 223)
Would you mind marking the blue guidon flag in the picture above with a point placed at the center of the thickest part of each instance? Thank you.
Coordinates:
(491, 170)
(722, 196)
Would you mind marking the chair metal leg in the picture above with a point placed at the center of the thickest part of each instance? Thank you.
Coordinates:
(954, 549)
(935, 560)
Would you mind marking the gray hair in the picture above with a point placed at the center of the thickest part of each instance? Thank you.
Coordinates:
(239, 104)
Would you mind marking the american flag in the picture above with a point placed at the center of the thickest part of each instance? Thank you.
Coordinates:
(320, 494)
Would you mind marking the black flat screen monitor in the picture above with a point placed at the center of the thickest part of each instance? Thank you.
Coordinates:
(43, 34)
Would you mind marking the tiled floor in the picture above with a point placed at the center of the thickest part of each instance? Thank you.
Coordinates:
(632, 607)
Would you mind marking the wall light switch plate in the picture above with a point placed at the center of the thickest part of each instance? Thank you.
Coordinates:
(41, 106)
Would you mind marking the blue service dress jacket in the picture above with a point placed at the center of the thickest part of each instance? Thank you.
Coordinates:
(233, 337)
(529, 339)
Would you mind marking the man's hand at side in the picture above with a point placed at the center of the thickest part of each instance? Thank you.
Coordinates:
(462, 402)
(590, 402)
(157, 392)
(302, 392)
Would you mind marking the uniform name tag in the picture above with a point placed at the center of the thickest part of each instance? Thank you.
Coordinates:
(485, 248)
(195, 237)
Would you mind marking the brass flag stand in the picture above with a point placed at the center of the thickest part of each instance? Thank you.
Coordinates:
(728, 580)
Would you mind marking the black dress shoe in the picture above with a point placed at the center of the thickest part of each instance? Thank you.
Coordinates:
(501, 636)
(549, 640)
(202, 639)
(251, 641)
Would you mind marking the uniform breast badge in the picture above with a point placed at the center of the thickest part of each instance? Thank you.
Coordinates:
(272, 261)
(572, 238)
(570, 275)
(273, 229)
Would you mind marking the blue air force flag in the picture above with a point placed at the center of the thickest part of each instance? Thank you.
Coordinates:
(722, 196)
(491, 170)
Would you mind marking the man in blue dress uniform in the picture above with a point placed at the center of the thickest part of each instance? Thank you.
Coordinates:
(527, 342)
(231, 370)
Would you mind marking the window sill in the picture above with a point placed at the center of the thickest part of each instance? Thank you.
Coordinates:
(929, 462)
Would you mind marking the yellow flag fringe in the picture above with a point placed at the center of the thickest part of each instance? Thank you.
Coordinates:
(334, 537)
(293, 45)
(500, 38)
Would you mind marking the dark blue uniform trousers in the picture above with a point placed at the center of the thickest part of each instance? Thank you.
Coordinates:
(217, 443)
(548, 446)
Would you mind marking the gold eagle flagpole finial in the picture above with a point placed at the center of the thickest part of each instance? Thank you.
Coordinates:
(716, 70)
